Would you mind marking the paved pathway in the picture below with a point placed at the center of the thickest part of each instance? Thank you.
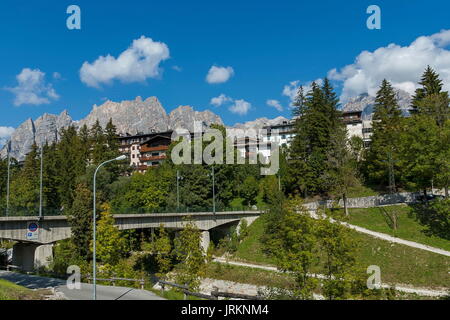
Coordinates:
(84, 293)
(402, 288)
(387, 237)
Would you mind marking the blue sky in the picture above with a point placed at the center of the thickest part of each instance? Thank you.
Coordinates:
(267, 44)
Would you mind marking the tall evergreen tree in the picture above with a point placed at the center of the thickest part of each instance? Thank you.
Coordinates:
(80, 219)
(387, 126)
(430, 99)
(99, 144)
(70, 164)
(24, 190)
(318, 117)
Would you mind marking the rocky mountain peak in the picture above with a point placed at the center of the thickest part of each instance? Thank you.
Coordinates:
(129, 116)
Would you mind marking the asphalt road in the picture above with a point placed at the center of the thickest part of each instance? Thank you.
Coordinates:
(84, 293)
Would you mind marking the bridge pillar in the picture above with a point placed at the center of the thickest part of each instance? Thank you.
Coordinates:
(249, 221)
(30, 256)
(204, 241)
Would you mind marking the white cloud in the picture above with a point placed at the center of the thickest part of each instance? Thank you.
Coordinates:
(139, 62)
(290, 90)
(403, 66)
(5, 133)
(275, 103)
(219, 74)
(240, 107)
(32, 88)
(57, 75)
(220, 100)
(177, 68)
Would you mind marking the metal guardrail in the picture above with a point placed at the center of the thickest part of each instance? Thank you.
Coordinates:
(114, 280)
(215, 294)
(26, 212)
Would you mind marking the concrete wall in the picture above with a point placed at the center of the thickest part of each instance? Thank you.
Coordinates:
(367, 202)
(30, 256)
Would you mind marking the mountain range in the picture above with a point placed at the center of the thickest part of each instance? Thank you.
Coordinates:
(144, 116)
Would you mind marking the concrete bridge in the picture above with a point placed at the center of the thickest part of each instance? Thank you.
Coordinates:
(34, 247)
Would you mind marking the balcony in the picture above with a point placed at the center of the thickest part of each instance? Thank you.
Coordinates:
(155, 158)
(151, 149)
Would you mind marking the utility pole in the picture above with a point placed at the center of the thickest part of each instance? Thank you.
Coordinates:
(178, 189)
(391, 173)
(214, 191)
(7, 185)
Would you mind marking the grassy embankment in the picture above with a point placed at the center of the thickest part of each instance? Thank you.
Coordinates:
(399, 264)
(12, 291)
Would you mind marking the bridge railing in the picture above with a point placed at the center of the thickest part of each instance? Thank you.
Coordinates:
(33, 212)
(181, 210)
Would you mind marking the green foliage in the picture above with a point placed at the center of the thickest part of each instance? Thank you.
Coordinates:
(110, 243)
(271, 193)
(319, 119)
(65, 255)
(338, 260)
(293, 246)
(387, 129)
(161, 248)
(435, 215)
(148, 190)
(342, 174)
(249, 190)
(189, 253)
(80, 220)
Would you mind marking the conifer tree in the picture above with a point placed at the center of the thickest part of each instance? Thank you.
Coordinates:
(430, 100)
(317, 119)
(99, 144)
(80, 219)
(387, 126)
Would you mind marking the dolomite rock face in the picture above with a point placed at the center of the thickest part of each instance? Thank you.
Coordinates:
(46, 128)
(129, 116)
(365, 103)
(260, 123)
(184, 117)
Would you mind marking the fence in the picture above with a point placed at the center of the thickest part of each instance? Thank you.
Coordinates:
(215, 294)
(114, 280)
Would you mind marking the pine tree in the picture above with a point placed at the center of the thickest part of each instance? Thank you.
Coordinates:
(387, 126)
(70, 165)
(99, 144)
(24, 192)
(431, 84)
(80, 219)
(342, 174)
(49, 178)
(430, 100)
(318, 119)
(85, 144)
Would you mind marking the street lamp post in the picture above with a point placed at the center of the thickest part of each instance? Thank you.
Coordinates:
(94, 227)
(40, 182)
(7, 184)
(178, 189)
(214, 191)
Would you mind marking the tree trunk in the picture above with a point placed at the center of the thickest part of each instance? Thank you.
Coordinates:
(344, 198)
